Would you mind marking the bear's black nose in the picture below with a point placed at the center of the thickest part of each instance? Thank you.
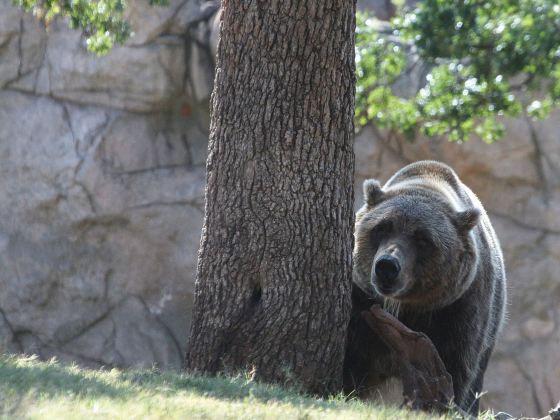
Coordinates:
(387, 268)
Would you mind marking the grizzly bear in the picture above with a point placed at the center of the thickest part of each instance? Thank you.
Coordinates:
(426, 250)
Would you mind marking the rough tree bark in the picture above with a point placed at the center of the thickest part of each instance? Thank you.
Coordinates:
(274, 270)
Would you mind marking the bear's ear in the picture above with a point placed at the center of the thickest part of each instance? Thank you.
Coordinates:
(467, 219)
(373, 193)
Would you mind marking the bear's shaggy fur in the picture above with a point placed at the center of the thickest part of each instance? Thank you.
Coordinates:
(425, 249)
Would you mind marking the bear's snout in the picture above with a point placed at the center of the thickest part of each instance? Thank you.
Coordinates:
(387, 269)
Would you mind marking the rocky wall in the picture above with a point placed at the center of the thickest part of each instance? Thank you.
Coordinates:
(101, 197)
(102, 185)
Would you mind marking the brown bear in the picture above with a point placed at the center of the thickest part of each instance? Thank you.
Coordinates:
(426, 250)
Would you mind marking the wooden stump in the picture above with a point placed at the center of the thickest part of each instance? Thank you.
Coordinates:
(426, 383)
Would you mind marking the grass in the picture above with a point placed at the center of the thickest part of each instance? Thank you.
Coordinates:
(32, 389)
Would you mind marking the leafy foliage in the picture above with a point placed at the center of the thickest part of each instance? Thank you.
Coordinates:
(101, 21)
(486, 59)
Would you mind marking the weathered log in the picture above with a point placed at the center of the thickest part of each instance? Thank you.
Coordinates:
(426, 383)
(555, 412)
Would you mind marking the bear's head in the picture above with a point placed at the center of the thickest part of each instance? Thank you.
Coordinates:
(412, 247)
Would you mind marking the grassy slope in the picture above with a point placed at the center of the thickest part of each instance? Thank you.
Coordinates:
(33, 389)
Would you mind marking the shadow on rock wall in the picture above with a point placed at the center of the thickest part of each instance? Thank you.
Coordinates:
(102, 186)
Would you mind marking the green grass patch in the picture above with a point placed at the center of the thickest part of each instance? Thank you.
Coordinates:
(30, 388)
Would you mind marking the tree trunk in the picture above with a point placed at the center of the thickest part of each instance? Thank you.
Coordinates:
(274, 270)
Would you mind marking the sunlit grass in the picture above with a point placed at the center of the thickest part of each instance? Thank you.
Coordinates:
(33, 389)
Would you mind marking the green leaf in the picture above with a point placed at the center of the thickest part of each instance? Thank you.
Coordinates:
(101, 21)
(486, 58)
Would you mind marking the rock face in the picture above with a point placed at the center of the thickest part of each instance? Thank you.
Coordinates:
(102, 189)
(102, 185)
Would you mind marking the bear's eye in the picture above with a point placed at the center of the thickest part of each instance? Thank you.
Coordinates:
(423, 239)
(381, 230)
